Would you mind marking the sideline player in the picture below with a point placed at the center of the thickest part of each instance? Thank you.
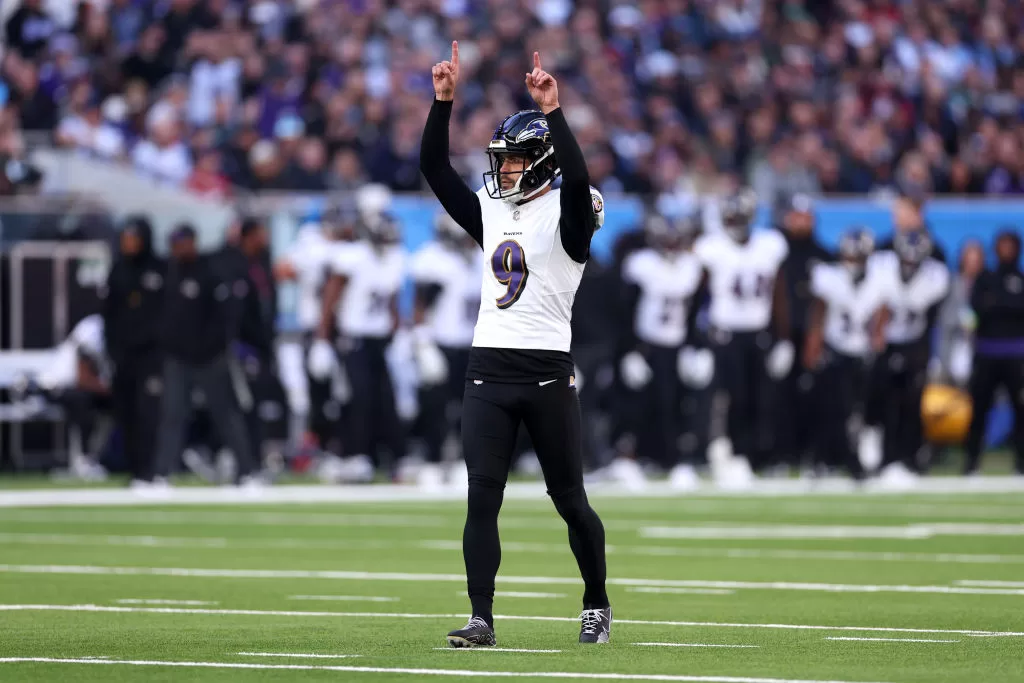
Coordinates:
(537, 240)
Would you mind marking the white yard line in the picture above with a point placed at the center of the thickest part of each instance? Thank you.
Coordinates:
(297, 655)
(345, 598)
(439, 578)
(224, 518)
(526, 594)
(681, 591)
(155, 601)
(392, 493)
(753, 554)
(508, 617)
(694, 645)
(992, 584)
(894, 640)
(494, 649)
(468, 673)
(824, 531)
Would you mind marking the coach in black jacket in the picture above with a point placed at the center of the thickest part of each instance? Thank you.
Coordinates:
(795, 218)
(998, 302)
(195, 339)
(132, 310)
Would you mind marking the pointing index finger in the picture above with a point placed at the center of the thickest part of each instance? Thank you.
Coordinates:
(455, 53)
(536, 60)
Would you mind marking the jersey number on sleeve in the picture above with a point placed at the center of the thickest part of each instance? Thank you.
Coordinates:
(508, 262)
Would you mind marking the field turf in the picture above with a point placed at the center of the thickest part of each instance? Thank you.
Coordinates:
(922, 588)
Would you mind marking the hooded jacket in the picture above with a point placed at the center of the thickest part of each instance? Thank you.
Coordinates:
(134, 301)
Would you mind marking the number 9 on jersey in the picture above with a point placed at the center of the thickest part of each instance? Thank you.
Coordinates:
(508, 262)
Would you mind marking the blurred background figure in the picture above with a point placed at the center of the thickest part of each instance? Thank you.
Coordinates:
(196, 332)
(997, 299)
(749, 331)
(133, 318)
(662, 281)
(794, 216)
(917, 284)
(843, 331)
(446, 273)
(360, 301)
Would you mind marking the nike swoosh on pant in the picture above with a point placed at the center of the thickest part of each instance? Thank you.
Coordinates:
(544, 384)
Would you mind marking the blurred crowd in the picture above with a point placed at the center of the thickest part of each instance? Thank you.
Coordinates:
(684, 98)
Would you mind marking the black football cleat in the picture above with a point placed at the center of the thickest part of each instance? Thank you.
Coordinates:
(476, 633)
(596, 625)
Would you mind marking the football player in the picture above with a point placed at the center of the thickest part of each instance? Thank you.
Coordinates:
(796, 432)
(361, 300)
(536, 241)
(749, 329)
(447, 274)
(308, 263)
(916, 283)
(662, 281)
(843, 331)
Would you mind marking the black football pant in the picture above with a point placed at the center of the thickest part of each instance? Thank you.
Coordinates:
(895, 389)
(372, 415)
(436, 419)
(257, 388)
(491, 415)
(839, 395)
(215, 380)
(987, 376)
(740, 368)
(799, 416)
(324, 414)
(661, 423)
(136, 390)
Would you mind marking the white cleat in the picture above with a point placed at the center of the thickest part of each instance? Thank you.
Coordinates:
(430, 478)
(683, 478)
(896, 477)
(627, 472)
(251, 486)
(358, 469)
(458, 476)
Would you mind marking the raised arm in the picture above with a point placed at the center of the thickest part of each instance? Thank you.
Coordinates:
(458, 200)
(578, 222)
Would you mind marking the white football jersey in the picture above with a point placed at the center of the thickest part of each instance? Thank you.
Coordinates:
(666, 284)
(374, 278)
(529, 282)
(741, 278)
(310, 255)
(850, 306)
(909, 302)
(453, 316)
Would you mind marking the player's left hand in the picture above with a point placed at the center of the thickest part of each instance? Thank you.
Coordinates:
(542, 86)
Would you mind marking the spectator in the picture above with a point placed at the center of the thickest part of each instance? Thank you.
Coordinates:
(214, 79)
(87, 132)
(36, 109)
(207, 179)
(346, 172)
(162, 155)
(147, 62)
(306, 172)
(29, 28)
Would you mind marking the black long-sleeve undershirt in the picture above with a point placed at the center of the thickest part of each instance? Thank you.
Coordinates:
(577, 222)
(458, 200)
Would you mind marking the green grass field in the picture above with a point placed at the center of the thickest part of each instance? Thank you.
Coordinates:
(923, 588)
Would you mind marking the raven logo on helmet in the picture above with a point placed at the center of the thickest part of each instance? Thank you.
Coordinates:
(524, 134)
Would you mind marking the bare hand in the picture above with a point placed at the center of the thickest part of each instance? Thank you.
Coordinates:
(446, 76)
(542, 86)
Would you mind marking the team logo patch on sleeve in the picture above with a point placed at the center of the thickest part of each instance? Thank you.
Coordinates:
(597, 202)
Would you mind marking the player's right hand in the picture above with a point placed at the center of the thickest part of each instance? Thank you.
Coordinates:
(446, 76)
